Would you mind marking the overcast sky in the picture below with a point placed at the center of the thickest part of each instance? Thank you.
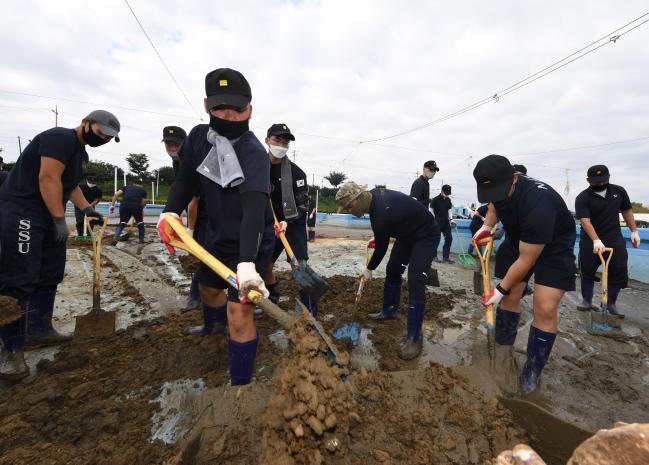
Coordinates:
(340, 72)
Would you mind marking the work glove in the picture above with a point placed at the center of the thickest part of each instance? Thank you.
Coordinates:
(111, 209)
(366, 274)
(190, 232)
(166, 233)
(61, 231)
(248, 279)
(371, 244)
(482, 233)
(280, 227)
(598, 246)
(494, 298)
(635, 239)
(90, 212)
(453, 223)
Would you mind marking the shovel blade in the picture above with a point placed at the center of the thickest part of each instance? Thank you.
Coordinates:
(97, 323)
(478, 285)
(348, 330)
(311, 282)
(337, 357)
(433, 277)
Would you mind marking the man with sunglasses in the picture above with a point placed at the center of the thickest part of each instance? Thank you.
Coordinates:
(289, 195)
(33, 230)
(396, 215)
(232, 168)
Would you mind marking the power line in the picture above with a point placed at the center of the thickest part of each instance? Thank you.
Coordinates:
(612, 38)
(568, 149)
(95, 104)
(162, 61)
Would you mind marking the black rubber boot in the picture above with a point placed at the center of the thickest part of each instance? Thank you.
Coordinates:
(411, 348)
(539, 346)
(214, 321)
(391, 297)
(40, 332)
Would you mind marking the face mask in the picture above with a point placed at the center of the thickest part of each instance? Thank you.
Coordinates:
(92, 139)
(430, 174)
(599, 188)
(277, 151)
(173, 155)
(228, 129)
(90, 184)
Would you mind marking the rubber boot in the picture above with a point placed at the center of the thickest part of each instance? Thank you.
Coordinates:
(391, 297)
(539, 346)
(586, 304)
(505, 366)
(140, 232)
(311, 236)
(242, 360)
(611, 305)
(118, 231)
(411, 348)
(273, 290)
(214, 320)
(12, 359)
(40, 332)
(194, 297)
(309, 303)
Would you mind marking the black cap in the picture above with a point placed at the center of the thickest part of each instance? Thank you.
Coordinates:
(494, 175)
(107, 122)
(280, 129)
(173, 134)
(598, 173)
(520, 169)
(431, 165)
(225, 86)
(446, 189)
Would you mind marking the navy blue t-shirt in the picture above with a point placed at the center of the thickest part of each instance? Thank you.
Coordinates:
(476, 221)
(133, 195)
(61, 144)
(603, 212)
(395, 214)
(441, 206)
(537, 214)
(223, 205)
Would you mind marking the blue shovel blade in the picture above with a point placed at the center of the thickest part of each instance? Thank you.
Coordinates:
(348, 330)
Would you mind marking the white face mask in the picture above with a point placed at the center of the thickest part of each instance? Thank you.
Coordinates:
(173, 155)
(90, 184)
(430, 174)
(277, 152)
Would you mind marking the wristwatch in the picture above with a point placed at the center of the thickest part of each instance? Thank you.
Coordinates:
(502, 290)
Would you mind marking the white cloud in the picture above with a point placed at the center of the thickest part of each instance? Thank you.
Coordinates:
(351, 70)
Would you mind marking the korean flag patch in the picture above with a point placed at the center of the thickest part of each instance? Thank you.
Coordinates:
(300, 183)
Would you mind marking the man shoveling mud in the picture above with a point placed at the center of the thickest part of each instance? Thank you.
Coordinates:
(92, 194)
(442, 208)
(33, 231)
(598, 209)
(290, 198)
(394, 214)
(233, 170)
(542, 233)
(132, 205)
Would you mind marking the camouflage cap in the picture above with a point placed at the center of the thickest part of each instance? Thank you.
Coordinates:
(348, 192)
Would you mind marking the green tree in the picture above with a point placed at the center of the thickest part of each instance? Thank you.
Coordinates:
(639, 208)
(104, 172)
(138, 164)
(167, 174)
(336, 178)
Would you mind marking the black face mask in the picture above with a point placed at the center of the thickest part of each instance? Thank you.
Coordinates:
(600, 188)
(501, 204)
(92, 139)
(228, 129)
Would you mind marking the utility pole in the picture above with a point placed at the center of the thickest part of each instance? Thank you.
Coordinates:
(56, 116)
(20, 147)
(293, 155)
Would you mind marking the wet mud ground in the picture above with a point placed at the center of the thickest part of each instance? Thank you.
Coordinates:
(132, 398)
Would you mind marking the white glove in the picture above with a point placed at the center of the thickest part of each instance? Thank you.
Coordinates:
(190, 232)
(635, 239)
(484, 231)
(111, 209)
(598, 246)
(366, 274)
(494, 298)
(453, 223)
(280, 227)
(248, 280)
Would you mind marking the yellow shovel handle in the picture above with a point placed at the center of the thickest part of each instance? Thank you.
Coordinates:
(605, 262)
(282, 237)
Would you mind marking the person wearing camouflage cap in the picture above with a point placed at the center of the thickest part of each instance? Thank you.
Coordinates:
(396, 215)
(33, 230)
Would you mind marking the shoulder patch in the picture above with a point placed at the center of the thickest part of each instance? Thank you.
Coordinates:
(300, 183)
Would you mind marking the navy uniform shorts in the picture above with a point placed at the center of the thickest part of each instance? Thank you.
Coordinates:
(617, 268)
(555, 270)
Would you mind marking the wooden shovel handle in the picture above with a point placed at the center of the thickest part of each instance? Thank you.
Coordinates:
(605, 262)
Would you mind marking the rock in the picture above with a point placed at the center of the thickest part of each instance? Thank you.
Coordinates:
(623, 445)
(330, 421)
(381, 456)
(522, 454)
(315, 425)
(321, 412)
(297, 428)
(332, 444)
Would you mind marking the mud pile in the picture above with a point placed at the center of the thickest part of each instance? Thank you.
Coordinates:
(308, 420)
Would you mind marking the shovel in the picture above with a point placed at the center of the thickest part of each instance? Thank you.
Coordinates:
(602, 323)
(85, 236)
(285, 320)
(97, 323)
(353, 330)
(478, 287)
(465, 259)
(485, 256)
(309, 280)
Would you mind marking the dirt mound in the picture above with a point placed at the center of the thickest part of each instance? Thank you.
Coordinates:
(307, 422)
